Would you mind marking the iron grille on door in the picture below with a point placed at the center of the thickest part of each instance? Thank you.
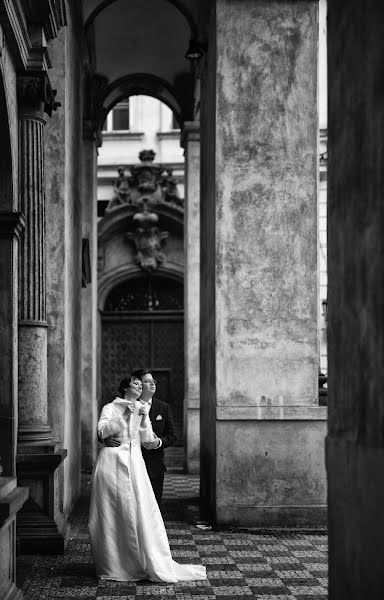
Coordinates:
(143, 327)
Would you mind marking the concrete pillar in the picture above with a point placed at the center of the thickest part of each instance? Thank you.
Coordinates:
(63, 177)
(262, 431)
(89, 404)
(355, 442)
(190, 141)
(38, 456)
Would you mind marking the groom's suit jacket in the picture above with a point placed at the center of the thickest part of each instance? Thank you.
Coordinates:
(160, 415)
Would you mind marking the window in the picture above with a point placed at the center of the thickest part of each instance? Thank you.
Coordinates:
(120, 116)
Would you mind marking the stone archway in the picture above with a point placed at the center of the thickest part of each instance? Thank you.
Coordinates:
(142, 326)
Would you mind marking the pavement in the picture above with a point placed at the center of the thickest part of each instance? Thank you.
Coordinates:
(241, 563)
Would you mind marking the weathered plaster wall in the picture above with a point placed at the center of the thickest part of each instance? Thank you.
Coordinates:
(355, 443)
(259, 220)
(63, 164)
(266, 208)
(191, 143)
(255, 480)
(55, 181)
(72, 240)
(89, 408)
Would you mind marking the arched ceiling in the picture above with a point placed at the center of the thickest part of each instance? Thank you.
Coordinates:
(128, 37)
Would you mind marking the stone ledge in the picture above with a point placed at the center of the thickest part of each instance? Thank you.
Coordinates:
(271, 413)
(122, 135)
(11, 504)
(313, 516)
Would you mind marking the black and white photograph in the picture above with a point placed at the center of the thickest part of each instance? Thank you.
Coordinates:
(191, 299)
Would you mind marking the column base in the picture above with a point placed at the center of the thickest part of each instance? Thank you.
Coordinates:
(12, 499)
(37, 531)
(35, 435)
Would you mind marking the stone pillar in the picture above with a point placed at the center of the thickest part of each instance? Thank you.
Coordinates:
(262, 431)
(89, 404)
(37, 453)
(190, 141)
(355, 442)
(33, 414)
(12, 497)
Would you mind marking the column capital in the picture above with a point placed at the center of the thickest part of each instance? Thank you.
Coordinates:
(11, 223)
(190, 133)
(35, 94)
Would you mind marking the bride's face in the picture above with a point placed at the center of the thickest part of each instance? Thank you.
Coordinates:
(136, 387)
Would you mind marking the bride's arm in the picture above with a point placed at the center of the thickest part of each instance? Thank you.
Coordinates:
(110, 422)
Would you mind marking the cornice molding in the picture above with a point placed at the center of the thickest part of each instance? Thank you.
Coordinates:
(28, 26)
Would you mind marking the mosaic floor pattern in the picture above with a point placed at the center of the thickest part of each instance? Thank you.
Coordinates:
(240, 564)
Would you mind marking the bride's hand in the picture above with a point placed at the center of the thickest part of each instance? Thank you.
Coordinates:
(144, 410)
(126, 404)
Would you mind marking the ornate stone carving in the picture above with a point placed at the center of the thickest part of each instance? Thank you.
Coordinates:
(121, 187)
(148, 240)
(169, 188)
(35, 93)
(145, 183)
(147, 175)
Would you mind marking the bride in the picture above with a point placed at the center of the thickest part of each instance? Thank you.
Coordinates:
(127, 532)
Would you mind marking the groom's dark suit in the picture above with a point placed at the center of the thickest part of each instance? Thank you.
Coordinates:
(162, 424)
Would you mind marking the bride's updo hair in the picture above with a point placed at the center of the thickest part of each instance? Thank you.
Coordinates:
(124, 384)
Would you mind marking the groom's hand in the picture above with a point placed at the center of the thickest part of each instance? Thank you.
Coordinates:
(152, 445)
(112, 442)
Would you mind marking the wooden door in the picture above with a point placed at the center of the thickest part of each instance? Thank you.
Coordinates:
(153, 338)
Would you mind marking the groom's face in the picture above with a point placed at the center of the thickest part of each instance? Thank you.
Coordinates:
(149, 384)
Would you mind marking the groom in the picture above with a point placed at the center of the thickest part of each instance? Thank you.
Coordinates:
(162, 424)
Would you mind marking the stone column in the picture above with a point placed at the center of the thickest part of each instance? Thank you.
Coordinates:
(38, 455)
(262, 431)
(33, 414)
(191, 143)
(89, 404)
(355, 442)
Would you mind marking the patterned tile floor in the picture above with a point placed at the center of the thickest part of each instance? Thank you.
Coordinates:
(240, 563)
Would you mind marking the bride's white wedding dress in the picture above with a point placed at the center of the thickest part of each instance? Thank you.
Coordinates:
(127, 532)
